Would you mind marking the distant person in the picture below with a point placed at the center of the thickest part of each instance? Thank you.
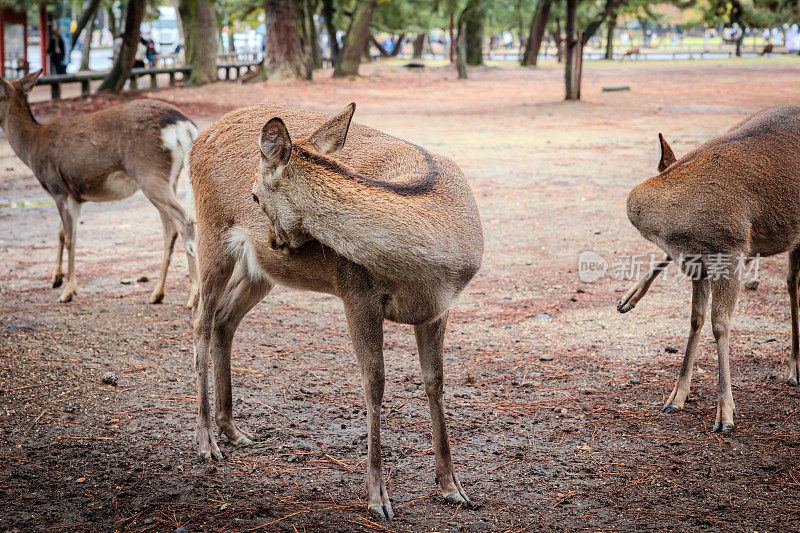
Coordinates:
(150, 53)
(57, 52)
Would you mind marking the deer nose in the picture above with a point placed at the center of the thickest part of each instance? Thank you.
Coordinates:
(255, 199)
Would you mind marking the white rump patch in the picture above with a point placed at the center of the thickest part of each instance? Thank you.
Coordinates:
(238, 245)
(178, 138)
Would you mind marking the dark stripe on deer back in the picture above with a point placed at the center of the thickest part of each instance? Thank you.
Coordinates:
(703, 149)
(423, 186)
(172, 116)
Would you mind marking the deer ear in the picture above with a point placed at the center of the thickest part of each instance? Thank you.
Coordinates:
(29, 81)
(330, 137)
(667, 157)
(276, 145)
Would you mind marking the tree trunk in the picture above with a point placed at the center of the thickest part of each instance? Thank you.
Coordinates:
(123, 63)
(283, 53)
(474, 17)
(612, 24)
(87, 16)
(87, 44)
(557, 39)
(357, 40)
(200, 36)
(452, 39)
(231, 41)
(112, 22)
(310, 39)
(395, 47)
(538, 25)
(328, 13)
(461, 50)
(419, 45)
(570, 70)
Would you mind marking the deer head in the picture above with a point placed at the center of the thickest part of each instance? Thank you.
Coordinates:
(286, 170)
(16, 89)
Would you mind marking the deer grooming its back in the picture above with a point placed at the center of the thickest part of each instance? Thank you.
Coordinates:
(100, 157)
(387, 227)
(733, 198)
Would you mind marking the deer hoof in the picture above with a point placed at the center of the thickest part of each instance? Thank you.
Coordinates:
(58, 279)
(624, 306)
(381, 511)
(66, 296)
(671, 408)
(157, 298)
(723, 427)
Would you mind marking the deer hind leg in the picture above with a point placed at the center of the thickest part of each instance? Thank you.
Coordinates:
(215, 270)
(58, 271)
(365, 321)
(430, 342)
(241, 294)
(700, 294)
(70, 210)
(724, 293)
(638, 291)
(792, 284)
(174, 220)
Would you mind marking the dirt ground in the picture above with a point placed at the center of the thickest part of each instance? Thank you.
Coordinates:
(552, 396)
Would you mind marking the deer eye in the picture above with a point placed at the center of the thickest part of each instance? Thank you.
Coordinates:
(255, 199)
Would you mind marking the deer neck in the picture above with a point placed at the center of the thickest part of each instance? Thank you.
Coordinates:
(365, 224)
(20, 127)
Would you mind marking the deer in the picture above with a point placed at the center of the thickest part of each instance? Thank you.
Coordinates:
(723, 204)
(635, 51)
(389, 228)
(101, 157)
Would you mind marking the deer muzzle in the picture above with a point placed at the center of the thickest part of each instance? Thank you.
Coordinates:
(275, 242)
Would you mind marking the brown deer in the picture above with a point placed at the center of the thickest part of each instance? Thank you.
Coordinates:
(631, 52)
(384, 225)
(101, 157)
(731, 199)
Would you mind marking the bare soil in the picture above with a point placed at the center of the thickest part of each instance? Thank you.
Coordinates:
(575, 442)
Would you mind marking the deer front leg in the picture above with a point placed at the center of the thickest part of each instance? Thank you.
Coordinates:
(792, 285)
(70, 210)
(365, 321)
(724, 293)
(638, 291)
(700, 293)
(430, 342)
(58, 271)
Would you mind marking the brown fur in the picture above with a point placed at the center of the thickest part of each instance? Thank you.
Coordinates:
(631, 52)
(101, 156)
(735, 195)
(389, 228)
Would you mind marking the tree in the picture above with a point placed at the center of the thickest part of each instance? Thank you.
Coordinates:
(198, 18)
(538, 25)
(356, 40)
(284, 57)
(328, 13)
(87, 17)
(123, 63)
(474, 19)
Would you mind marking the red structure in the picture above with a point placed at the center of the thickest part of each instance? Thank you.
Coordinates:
(14, 39)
